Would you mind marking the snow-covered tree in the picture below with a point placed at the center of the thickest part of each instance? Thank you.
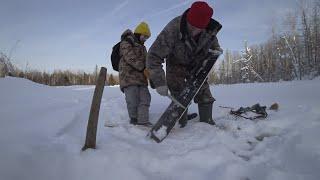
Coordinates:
(248, 73)
(6, 66)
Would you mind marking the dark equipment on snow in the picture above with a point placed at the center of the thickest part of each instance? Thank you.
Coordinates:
(257, 109)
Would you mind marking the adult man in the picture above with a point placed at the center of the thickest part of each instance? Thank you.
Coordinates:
(182, 43)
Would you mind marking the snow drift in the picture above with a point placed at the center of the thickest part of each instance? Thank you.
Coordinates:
(43, 129)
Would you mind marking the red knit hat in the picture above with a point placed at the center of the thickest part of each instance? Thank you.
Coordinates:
(199, 14)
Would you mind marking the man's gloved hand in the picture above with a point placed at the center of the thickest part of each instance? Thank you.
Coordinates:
(162, 90)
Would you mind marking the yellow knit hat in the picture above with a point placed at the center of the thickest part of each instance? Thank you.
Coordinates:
(143, 29)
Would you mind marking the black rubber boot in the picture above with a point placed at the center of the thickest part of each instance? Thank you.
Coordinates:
(183, 121)
(192, 116)
(205, 113)
(147, 124)
(133, 121)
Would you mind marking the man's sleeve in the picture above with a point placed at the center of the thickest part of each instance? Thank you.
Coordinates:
(159, 50)
(216, 45)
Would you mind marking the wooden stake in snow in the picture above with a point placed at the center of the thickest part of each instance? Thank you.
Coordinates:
(94, 112)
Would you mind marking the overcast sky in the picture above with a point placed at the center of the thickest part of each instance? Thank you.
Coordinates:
(77, 35)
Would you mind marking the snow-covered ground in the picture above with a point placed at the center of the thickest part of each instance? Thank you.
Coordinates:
(43, 129)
